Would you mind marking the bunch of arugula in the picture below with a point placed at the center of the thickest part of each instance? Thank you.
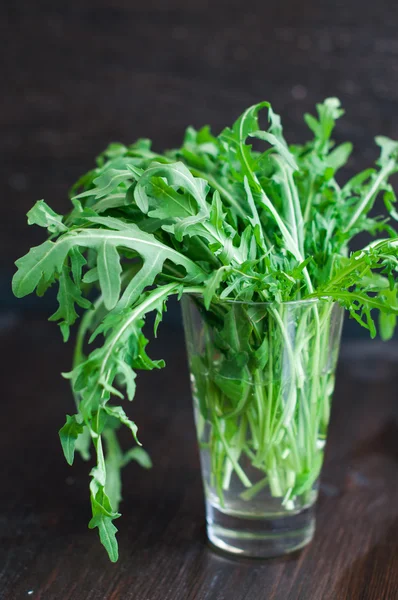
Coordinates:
(214, 218)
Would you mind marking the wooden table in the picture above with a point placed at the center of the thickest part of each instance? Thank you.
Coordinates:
(47, 552)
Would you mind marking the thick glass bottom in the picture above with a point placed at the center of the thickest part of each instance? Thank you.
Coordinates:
(259, 537)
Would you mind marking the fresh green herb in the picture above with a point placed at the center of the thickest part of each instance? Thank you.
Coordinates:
(220, 220)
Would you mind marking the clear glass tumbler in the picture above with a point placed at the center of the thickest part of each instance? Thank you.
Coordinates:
(262, 382)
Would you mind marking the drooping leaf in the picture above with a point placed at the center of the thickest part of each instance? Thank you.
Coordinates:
(68, 294)
(69, 435)
(44, 216)
(118, 413)
(138, 455)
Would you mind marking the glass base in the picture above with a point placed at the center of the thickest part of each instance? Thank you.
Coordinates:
(260, 537)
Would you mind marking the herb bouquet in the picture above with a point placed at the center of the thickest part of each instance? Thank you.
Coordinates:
(255, 242)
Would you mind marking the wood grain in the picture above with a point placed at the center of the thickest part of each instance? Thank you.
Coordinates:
(47, 552)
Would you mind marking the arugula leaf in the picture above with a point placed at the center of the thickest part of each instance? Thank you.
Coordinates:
(45, 260)
(103, 514)
(234, 139)
(140, 456)
(69, 434)
(109, 270)
(44, 216)
(68, 294)
(118, 413)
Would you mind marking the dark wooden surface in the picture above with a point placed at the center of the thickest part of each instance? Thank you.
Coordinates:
(47, 552)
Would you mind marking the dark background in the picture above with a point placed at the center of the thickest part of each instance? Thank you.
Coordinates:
(76, 75)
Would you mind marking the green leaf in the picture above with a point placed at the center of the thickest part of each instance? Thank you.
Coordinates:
(213, 283)
(254, 220)
(153, 252)
(123, 350)
(118, 413)
(389, 149)
(279, 145)
(109, 270)
(102, 511)
(108, 181)
(127, 377)
(339, 156)
(390, 199)
(69, 435)
(77, 263)
(115, 149)
(44, 216)
(83, 442)
(261, 355)
(91, 276)
(312, 124)
(388, 318)
(377, 181)
(328, 112)
(140, 456)
(237, 329)
(234, 139)
(43, 261)
(68, 294)
(113, 466)
(233, 379)
(305, 480)
(388, 323)
(107, 533)
(159, 186)
(40, 263)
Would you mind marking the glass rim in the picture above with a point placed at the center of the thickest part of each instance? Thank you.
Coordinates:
(301, 302)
